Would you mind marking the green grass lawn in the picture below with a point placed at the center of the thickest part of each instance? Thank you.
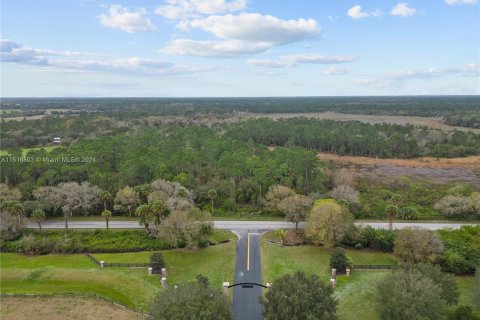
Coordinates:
(130, 286)
(278, 260)
(356, 293)
(215, 262)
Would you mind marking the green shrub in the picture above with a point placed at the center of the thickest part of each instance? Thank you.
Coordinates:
(340, 261)
(157, 262)
(462, 250)
(378, 239)
(34, 242)
(463, 313)
(408, 213)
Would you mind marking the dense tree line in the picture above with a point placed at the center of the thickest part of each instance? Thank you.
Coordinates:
(357, 139)
(201, 159)
(411, 106)
(465, 119)
(231, 167)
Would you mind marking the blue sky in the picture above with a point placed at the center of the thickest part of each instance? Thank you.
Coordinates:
(239, 48)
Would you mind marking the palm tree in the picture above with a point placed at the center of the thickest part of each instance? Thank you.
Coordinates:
(39, 216)
(143, 212)
(158, 210)
(15, 208)
(212, 194)
(392, 211)
(105, 196)
(107, 214)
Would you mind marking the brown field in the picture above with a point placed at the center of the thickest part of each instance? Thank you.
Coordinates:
(36, 117)
(59, 308)
(430, 122)
(435, 123)
(472, 162)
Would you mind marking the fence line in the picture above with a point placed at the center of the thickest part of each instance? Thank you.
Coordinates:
(76, 295)
(374, 267)
(92, 259)
(118, 264)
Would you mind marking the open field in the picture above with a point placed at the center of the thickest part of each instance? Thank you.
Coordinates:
(26, 150)
(356, 294)
(129, 286)
(472, 162)
(430, 122)
(59, 308)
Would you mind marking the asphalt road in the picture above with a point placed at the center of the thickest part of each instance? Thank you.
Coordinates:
(241, 225)
(246, 300)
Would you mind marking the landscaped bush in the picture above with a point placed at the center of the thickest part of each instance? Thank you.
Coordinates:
(378, 239)
(462, 250)
(157, 262)
(340, 261)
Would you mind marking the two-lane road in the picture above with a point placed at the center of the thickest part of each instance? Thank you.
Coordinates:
(246, 299)
(243, 225)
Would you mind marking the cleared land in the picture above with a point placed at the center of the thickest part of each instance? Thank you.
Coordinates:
(59, 308)
(430, 122)
(26, 150)
(129, 286)
(355, 294)
(472, 162)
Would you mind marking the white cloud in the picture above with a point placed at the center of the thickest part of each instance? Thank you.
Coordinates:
(403, 10)
(356, 12)
(467, 70)
(389, 79)
(246, 33)
(336, 71)
(175, 9)
(14, 52)
(225, 49)
(304, 58)
(119, 17)
(255, 27)
(453, 2)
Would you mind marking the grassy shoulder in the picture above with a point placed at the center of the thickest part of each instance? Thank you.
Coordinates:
(129, 286)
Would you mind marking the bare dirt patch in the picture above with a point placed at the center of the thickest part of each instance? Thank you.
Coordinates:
(441, 170)
(60, 308)
(472, 162)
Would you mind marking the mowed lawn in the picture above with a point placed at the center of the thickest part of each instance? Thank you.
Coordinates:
(129, 286)
(356, 293)
(278, 260)
(216, 262)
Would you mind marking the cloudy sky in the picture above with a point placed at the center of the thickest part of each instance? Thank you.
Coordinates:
(239, 48)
